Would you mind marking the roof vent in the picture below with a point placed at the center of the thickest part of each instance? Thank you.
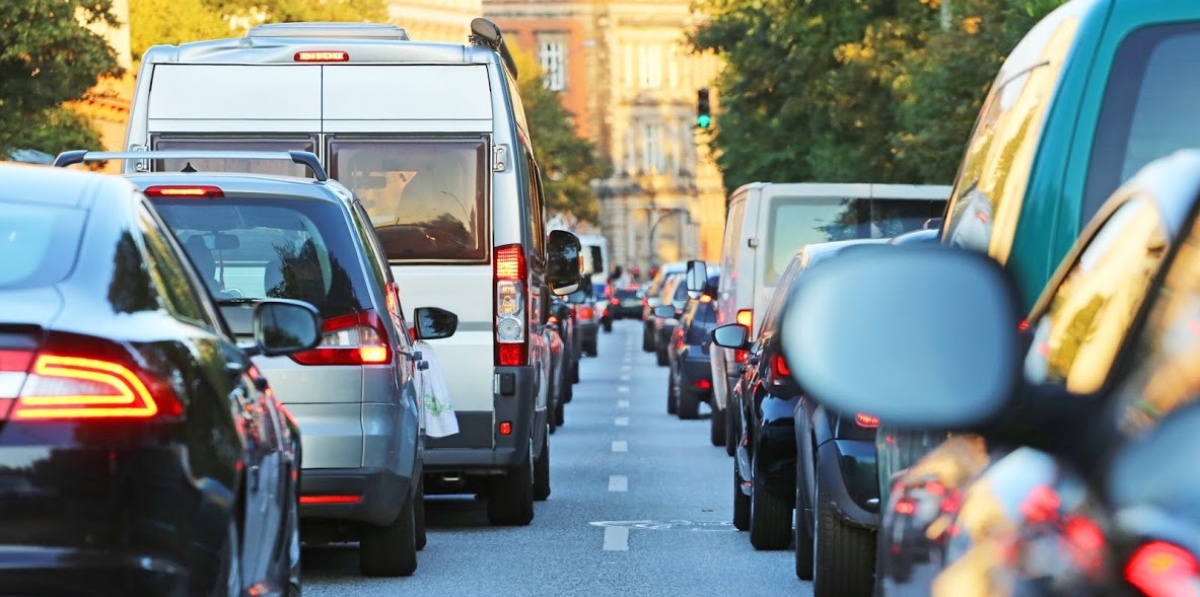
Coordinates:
(331, 30)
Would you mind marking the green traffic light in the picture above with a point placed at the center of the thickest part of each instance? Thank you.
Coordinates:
(704, 120)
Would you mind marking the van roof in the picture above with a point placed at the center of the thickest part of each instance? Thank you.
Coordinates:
(330, 30)
(280, 49)
(862, 190)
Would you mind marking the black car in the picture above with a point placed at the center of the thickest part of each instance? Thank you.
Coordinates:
(675, 296)
(1077, 476)
(141, 453)
(653, 298)
(689, 382)
(626, 303)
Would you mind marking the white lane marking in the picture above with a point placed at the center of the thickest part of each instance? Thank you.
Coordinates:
(621, 422)
(620, 446)
(616, 538)
(624, 378)
(622, 389)
(626, 360)
(622, 404)
(625, 367)
(618, 483)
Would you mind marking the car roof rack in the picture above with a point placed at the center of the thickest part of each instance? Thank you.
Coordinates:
(304, 158)
(331, 29)
(486, 33)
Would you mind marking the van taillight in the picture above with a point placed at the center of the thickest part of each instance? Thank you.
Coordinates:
(746, 317)
(81, 379)
(355, 339)
(322, 56)
(511, 313)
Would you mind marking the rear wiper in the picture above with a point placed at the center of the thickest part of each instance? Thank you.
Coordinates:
(237, 301)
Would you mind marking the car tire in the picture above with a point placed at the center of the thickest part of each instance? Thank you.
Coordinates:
(510, 496)
(843, 556)
(574, 375)
(422, 537)
(590, 349)
(733, 429)
(560, 412)
(716, 427)
(541, 473)
(770, 515)
(391, 550)
(741, 503)
(688, 405)
(608, 327)
(671, 403)
(661, 356)
(803, 530)
(647, 339)
(229, 578)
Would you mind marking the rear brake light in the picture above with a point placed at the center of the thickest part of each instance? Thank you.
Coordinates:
(741, 356)
(779, 368)
(323, 500)
(746, 317)
(505, 428)
(866, 421)
(704, 298)
(552, 320)
(322, 56)
(702, 384)
(355, 339)
(586, 313)
(906, 507)
(184, 191)
(64, 385)
(510, 309)
(1160, 569)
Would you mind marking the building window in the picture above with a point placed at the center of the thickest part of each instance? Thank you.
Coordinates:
(652, 66)
(673, 67)
(552, 54)
(652, 148)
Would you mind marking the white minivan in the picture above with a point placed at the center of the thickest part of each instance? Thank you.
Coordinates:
(432, 139)
(767, 223)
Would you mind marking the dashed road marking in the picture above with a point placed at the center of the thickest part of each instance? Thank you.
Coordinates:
(616, 538)
(622, 389)
(622, 404)
(625, 367)
(621, 421)
(618, 483)
(620, 446)
(624, 378)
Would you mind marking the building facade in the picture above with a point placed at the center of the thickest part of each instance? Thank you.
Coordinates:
(106, 105)
(435, 20)
(630, 81)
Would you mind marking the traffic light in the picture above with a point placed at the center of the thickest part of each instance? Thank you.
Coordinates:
(703, 116)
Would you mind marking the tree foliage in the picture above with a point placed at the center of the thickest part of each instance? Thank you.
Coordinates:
(854, 90)
(48, 57)
(569, 162)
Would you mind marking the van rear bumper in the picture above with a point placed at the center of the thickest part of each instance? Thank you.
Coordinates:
(515, 392)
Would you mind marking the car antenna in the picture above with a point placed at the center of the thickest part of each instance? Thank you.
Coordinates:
(188, 168)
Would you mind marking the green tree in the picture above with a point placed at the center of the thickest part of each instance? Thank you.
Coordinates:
(153, 22)
(291, 11)
(569, 162)
(48, 57)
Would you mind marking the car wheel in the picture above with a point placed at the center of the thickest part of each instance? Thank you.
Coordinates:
(733, 428)
(229, 582)
(574, 375)
(802, 532)
(590, 349)
(291, 583)
(647, 339)
(608, 327)
(770, 515)
(510, 496)
(741, 503)
(671, 403)
(843, 556)
(716, 427)
(661, 354)
(560, 412)
(688, 405)
(391, 550)
(422, 532)
(541, 473)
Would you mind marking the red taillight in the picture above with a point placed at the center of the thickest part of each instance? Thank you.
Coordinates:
(1041, 504)
(505, 428)
(184, 191)
(355, 339)
(510, 307)
(741, 356)
(935, 488)
(1160, 569)
(323, 500)
(746, 317)
(586, 313)
(552, 320)
(702, 384)
(1024, 325)
(906, 507)
(64, 385)
(779, 368)
(866, 421)
(322, 56)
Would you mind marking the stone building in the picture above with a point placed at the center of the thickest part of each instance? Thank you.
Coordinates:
(435, 20)
(629, 79)
(107, 104)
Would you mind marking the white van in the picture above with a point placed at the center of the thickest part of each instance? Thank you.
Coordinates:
(432, 139)
(595, 264)
(768, 222)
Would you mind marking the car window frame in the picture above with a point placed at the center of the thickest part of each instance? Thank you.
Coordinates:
(210, 318)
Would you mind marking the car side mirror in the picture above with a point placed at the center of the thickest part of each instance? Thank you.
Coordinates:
(664, 311)
(283, 327)
(562, 258)
(946, 328)
(697, 278)
(434, 323)
(732, 335)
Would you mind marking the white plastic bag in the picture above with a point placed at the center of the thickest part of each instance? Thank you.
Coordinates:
(440, 420)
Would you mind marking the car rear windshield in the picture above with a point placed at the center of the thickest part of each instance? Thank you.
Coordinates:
(258, 248)
(38, 244)
(799, 221)
(427, 198)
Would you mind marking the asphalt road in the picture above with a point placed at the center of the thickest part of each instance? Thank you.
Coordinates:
(641, 504)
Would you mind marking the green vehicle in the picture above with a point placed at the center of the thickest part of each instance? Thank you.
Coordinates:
(1097, 90)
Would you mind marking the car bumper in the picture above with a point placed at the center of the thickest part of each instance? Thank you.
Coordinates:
(381, 494)
(588, 331)
(695, 374)
(847, 469)
(515, 402)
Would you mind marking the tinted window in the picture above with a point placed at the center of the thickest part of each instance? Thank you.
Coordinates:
(278, 248)
(1151, 107)
(799, 221)
(426, 199)
(990, 189)
(274, 167)
(1089, 315)
(626, 293)
(1164, 375)
(38, 244)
